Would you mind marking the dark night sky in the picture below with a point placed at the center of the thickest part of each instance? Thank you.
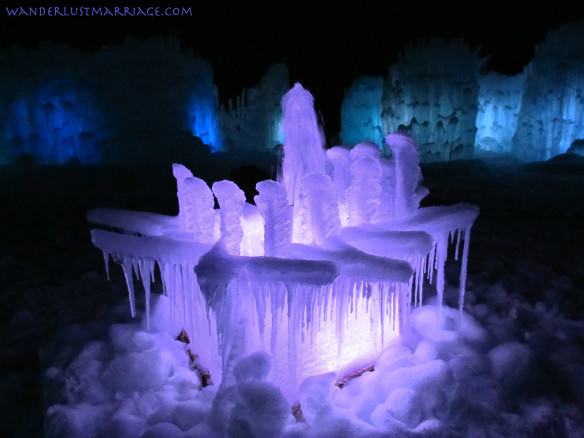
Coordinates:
(324, 48)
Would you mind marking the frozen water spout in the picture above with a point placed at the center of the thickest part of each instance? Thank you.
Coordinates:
(321, 272)
(408, 192)
(303, 146)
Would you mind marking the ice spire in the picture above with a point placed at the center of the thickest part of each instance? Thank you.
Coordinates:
(408, 191)
(303, 147)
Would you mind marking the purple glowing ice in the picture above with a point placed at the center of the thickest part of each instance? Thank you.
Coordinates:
(321, 272)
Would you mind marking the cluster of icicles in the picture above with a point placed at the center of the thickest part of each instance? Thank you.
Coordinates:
(321, 272)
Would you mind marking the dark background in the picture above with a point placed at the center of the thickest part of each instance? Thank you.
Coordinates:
(325, 45)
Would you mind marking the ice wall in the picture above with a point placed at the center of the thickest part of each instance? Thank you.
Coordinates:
(203, 117)
(500, 100)
(551, 115)
(436, 93)
(140, 102)
(432, 92)
(253, 122)
(56, 123)
(147, 89)
(361, 112)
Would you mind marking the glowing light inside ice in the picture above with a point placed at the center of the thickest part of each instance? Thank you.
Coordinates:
(203, 120)
(321, 272)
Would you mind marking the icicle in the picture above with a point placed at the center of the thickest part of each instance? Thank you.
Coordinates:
(420, 280)
(463, 269)
(106, 258)
(431, 264)
(275, 310)
(382, 306)
(260, 301)
(146, 269)
(183, 290)
(459, 233)
(292, 333)
(128, 275)
(441, 254)
(341, 304)
(403, 307)
(392, 299)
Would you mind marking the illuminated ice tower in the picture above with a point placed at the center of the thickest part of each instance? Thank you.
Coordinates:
(303, 147)
(326, 294)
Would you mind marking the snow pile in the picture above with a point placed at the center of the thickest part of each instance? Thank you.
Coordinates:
(468, 376)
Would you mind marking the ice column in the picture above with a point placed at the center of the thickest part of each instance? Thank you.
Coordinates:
(196, 202)
(273, 205)
(408, 191)
(231, 200)
(340, 173)
(303, 146)
(363, 195)
(323, 210)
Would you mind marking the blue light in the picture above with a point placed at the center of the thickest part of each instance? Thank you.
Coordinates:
(202, 117)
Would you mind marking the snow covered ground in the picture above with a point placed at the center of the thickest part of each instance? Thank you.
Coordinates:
(75, 364)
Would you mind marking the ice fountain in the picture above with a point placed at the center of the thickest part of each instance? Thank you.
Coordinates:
(320, 273)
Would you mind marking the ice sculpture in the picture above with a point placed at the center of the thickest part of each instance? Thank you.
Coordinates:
(327, 296)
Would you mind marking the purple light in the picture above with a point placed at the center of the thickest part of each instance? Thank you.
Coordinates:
(321, 272)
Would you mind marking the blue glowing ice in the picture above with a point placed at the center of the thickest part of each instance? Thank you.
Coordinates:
(252, 122)
(500, 100)
(58, 123)
(361, 112)
(203, 116)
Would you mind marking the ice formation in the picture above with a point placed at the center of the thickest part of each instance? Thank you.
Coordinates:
(433, 92)
(253, 121)
(500, 100)
(437, 93)
(361, 111)
(320, 273)
(552, 115)
(97, 107)
(55, 124)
